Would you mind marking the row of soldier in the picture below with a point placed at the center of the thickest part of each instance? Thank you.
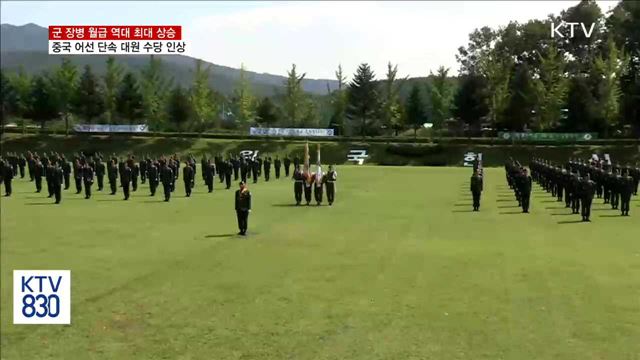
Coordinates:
(520, 182)
(580, 181)
(57, 172)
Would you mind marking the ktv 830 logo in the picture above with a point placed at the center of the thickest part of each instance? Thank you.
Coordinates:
(41, 297)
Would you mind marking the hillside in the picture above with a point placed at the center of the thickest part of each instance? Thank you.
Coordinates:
(26, 46)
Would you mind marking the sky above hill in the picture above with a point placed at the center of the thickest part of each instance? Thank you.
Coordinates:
(316, 36)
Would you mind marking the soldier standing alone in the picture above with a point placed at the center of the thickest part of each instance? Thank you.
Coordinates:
(299, 180)
(100, 170)
(626, 189)
(587, 190)
(277, 163)
(87, 176)
(243, 207)
(167, 178)
(476, 189)
(58, 178)
(187, 177)
(330, 181)
(287, 163)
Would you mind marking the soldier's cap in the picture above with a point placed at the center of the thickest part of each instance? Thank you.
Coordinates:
(242, 183)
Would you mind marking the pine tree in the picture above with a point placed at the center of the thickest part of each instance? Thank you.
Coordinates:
(339, 104)
(179, 108)
(20, 82)
(610, 70)
(155, 90)
(43, 101)
(295, 99)
(112, 79)
(200, 97)
(266, 112)
(244, 100)
(129, 100)
(551, 89)
(363, 103)
(7, 96)
(390, 112)
(89, 100)
(470, 101)
(441, 95)
(415, 115)
(519, 111)
(65, 82)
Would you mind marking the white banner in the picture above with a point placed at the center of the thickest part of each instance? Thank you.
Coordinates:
(290, 132)
(110, 128)
(117, 47)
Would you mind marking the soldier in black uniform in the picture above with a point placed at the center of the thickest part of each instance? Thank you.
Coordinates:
(575, 193)
(635, 174)
(7, 176)
(587, 190)
(49, 177)
(168, 179)
(330, 183)
(267, 168)
(228, 167)
(87, 176)
(243, 208)
(144, 164)
(276, 165)
(22, 162)
(152, 174)
(209, 174)
(523, 183)
(287, 163)
(626, 189)
(31, 165)
(476, 189)
(38, 172)
(112, 175)
(298, 184)
(235, 163)
(57, 180)
(135, 173)
(203, 165)
(175, 169)
(125, 178)
(614, 185)
(187, 177)
(77, 175)
(244, 169)
(100, 170)
(255, 170)
(308, 187)
(66, 171)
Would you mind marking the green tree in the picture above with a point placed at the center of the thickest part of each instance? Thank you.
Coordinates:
(266, 113)
(200, 97)
(155, 90)
(112, 78)
(470, 101)
(391, 115)
(7, 95)
(43, 101)
(339, 103)
(441, 96)
(244, 100)
(65, 82)
(363, 104)
(480, 43)
(611, 70)
(581, 105)
(89, 100)
(179, 109)
(583, 49)
(551, 87)
(129, 100)
(519, 111)
(415, 115)
(295, 99)
(20, 82)
(497, 71)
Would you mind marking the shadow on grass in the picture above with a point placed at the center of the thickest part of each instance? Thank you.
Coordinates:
(563, 214)
(462, 211)
(219, 236)
(463, 204)
(117, 199)
(613, 216)
(571, 222)
(287, 205)
(41, 203)
(510, 212)
(549, 201)
(154, 201)
(556, 207)
(508, 207)
(602, 209)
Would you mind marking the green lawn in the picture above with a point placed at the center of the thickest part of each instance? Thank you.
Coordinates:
(398, 268)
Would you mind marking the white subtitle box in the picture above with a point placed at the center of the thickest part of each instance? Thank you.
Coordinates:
(118, 47)
(42, 297)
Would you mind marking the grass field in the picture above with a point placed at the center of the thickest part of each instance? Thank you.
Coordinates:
(398, 268)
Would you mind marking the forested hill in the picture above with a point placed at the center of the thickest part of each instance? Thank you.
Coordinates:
(26, 46)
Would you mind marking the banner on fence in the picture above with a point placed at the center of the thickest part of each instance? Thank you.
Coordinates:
(290, 132)
(110, 128)
(518, 136)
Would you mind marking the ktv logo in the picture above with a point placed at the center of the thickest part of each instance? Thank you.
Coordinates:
(42, 297)
(556, 29)
(357, 156)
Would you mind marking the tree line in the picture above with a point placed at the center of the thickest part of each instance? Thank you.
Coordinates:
(517, 78)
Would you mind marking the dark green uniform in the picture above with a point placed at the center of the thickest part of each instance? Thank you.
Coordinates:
(587, 191)
(330, 183)
(188, 178)
(276, 165)
(167, 178)
(243, 206)
(209, 173)
(626, 189)
(298, 184)
(87, 177)
(57, 180)
(100, 170)
(112, 176)
(287, 164)
(125, 178)
(476, 190)
(7, 177)
(267, 169)
(153, 176)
